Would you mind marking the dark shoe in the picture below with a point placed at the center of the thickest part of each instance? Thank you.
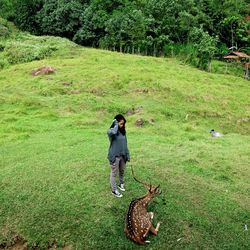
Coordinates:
(116, 194)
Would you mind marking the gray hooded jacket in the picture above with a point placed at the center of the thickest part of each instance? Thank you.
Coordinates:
(118, 145)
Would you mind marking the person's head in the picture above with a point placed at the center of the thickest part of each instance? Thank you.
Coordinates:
(121, 123)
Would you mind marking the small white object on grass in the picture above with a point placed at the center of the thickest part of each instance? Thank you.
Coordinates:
(179, 239)
(246, 227)
(215, 133)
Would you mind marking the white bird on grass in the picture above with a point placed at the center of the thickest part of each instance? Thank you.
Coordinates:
(215, 133)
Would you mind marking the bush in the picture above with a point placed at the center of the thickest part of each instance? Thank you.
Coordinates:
(3, 63)
(185, 52)
(4, 31)
(21, 53)
(205, 46)
(1, 47)
(221, 51)
(7, 28)
(26, 48)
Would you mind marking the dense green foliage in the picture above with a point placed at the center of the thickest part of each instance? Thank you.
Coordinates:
(6, 9)
(139, 26)
(20, 47)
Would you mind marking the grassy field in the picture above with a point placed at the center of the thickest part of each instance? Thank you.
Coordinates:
(54, 174)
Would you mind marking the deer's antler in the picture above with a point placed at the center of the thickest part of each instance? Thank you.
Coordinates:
(145, 184)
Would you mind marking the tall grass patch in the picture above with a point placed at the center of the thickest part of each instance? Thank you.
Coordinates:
(23, 48)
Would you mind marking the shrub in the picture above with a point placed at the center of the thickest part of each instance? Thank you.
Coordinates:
(3, 63)
(20, 53)
(1, 47)
(4, 31)
(205, 46)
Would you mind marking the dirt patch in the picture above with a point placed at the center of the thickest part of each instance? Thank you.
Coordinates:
(45, 70)
(243, 120)
(20, 246)
(142, 91)
(210, 114)
(97, 92)
(191, 98)
(70, 247)
(68, 83)
(208, 98)
(75, 92)
(17, 243)
(141, 122)
(136, 110)
(187, 231)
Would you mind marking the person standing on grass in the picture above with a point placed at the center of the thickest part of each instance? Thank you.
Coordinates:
(118, 153)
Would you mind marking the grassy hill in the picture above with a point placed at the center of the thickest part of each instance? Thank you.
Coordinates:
(54, 175)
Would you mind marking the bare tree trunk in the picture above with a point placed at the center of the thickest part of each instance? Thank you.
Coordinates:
(246, 73)
(139, 50)
(209, 66)
(154, 52)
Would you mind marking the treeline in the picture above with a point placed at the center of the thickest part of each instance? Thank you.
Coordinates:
(197, 28)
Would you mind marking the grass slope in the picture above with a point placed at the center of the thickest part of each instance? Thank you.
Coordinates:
(54, 175)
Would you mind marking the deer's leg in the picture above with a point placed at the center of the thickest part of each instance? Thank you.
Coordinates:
(151, 215)
(153, 230)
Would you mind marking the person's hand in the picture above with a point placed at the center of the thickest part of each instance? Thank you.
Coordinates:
(115, 121)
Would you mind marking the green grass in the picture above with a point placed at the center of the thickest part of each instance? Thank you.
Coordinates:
(228, 68)
(54, 175)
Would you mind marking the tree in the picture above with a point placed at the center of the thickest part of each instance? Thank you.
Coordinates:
(60, 17)
(136, 28)
(92, 26)
(226, 20)
(6, 9)
(237, 30)
(148, 27)
(25, 15)
(93, 21)
(205, 46)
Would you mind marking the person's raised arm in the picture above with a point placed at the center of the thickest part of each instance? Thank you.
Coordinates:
(113, 131)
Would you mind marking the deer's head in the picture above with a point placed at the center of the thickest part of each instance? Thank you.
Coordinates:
(152, 191)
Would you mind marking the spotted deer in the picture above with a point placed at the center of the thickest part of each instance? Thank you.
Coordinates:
(138, 223)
